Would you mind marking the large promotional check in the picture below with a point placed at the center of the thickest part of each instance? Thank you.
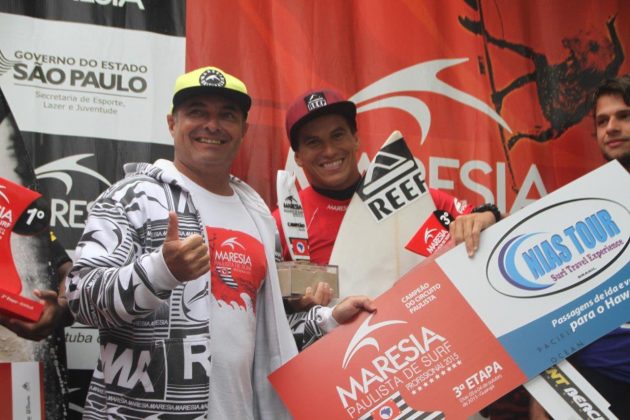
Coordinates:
(456, 333)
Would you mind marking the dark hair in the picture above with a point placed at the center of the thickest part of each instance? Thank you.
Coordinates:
(619, 86)
(352, 125)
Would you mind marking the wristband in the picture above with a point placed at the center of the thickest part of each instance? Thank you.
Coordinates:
(488, 207)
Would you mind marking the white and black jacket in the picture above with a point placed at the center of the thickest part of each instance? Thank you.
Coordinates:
(154, 338)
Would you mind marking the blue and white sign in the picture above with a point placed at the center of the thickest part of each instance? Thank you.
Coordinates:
(555, 276)
(540, 257)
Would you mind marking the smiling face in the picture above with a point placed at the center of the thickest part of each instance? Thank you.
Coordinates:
(326, 151)
(612, 124)
(207, 132)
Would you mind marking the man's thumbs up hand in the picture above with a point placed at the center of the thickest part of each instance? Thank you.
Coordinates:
(187, 259)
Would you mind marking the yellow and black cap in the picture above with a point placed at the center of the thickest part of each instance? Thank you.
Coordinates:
(211, 80)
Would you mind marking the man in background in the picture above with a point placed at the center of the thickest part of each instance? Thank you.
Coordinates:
(606, 362)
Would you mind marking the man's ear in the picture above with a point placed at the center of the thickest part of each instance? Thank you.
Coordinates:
(170, 121)
(297, 158)
(356, 142)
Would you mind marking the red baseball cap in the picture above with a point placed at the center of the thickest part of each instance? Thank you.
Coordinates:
(313, 104)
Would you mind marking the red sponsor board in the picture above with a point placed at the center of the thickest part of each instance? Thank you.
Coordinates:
(424, 348)
(492, 96)
(431, 236)
(14, 200)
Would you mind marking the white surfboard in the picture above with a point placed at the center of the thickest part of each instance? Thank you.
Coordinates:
(390, 205)
(292, 217)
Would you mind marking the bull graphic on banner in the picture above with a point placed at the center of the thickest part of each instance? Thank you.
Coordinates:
(565, 89)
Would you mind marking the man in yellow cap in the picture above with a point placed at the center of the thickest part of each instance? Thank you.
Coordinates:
(176, 269)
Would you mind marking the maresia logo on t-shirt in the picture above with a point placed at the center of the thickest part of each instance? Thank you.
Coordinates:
(238, 267)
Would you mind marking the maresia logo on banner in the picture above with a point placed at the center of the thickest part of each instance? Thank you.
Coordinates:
(362, 338)
(432, 235)
(59, 169)
(3, 195)
(70, 186)
(6, 213)
(559, 247)
(384, 364)
(392, 181)
(115, 3)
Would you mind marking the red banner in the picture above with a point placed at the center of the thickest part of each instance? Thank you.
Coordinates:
(411, 355)
(14, 200)
(493, 96)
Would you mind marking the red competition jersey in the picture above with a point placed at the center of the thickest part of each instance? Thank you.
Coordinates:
(323, 217)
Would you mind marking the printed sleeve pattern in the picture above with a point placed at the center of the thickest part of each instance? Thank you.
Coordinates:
(304, 327)
(120, 274)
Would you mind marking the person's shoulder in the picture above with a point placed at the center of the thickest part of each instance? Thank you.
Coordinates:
(133, 186)
(439, 194)
(248, 194)
(130, 181)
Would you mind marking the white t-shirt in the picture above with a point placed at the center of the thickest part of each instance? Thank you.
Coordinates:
(238, 268)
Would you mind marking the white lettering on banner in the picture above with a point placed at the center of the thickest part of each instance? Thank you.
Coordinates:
(388, 364)
(483, 191)
(616, 300)
(420, 297)
(532, 180)
(483, 375)
(115, 3)
(583, 404)
(435, 163)
(6, 216)
(71, 213)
